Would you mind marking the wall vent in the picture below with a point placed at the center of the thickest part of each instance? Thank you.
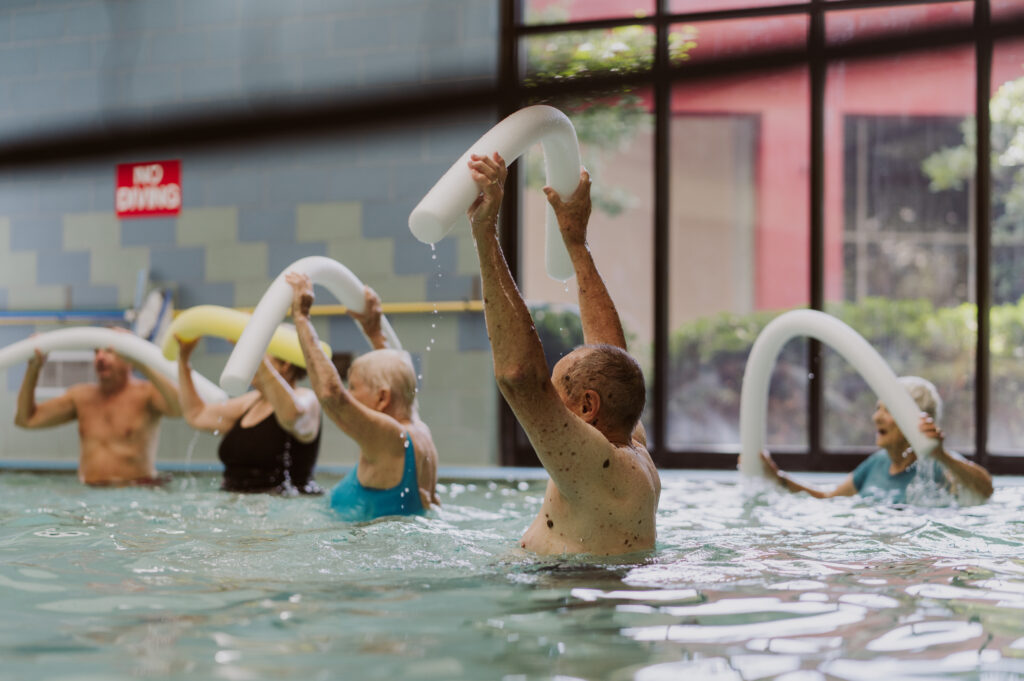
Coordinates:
(63, 369)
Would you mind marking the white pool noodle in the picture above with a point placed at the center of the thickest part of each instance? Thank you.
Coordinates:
(445, 204)
(126, 344)
(852, 347)
(273, 308)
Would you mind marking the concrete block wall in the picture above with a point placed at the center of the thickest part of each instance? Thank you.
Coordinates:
(249, 210)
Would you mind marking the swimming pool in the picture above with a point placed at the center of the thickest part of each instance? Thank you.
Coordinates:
(191, 583)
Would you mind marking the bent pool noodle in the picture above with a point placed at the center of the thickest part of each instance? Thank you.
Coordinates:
(228, 323)
(92, 337)
(848, 343)
(273, 307)
(446, 203)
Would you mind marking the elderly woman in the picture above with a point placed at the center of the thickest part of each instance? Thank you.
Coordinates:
(271, 434)
(887, 473)
(397, 469)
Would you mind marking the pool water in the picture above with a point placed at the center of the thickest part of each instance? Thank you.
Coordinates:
(191, 583)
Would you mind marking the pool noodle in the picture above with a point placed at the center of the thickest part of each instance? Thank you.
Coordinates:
(228, 323)
(852, 347)
(446, 203)
(92, 337)
(273, 307)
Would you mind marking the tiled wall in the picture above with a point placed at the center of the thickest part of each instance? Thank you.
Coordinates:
(249, 210)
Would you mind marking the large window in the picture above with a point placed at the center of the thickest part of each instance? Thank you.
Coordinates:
(804, 155)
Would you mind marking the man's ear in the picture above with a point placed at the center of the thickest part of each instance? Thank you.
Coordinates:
(590, 405)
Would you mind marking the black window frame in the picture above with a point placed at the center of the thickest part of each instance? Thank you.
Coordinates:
(816, 56)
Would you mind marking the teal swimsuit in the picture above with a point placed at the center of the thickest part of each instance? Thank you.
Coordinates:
(872, 478)
(354, 502)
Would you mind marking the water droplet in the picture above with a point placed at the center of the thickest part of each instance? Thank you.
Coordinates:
(419, 377)
(431, 340)
(433, 326)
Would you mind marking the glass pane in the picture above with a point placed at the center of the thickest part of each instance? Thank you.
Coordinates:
(616, 145)
(843, 26)
(680, 6)
(739, 252)
(1003, 10)
(900, 261)
(626, 48)
(1006, 416)
(709, 40)
(564, 11)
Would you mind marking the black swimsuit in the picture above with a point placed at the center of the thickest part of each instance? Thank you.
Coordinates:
(267, 458)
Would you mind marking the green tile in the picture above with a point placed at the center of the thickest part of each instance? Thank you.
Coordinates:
(37, 297)
(328, 221)
(118, 266)
(88, 231)
(202, 226)
(236, 262)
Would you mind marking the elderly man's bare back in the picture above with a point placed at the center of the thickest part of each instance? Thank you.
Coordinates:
(618, 519)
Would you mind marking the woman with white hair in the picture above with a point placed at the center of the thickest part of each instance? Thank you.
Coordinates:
(886, 474)
(397, 469)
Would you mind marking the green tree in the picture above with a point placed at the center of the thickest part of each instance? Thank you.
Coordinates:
(952, 167)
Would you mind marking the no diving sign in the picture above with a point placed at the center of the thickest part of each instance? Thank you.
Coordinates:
(146, 189)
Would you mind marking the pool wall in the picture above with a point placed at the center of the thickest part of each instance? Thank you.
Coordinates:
(247, 211)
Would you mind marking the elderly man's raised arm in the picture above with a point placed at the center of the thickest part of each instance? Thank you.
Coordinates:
(518, 355)
(600, 319)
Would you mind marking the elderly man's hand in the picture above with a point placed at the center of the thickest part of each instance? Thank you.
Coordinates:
(185, 347)
(489, 173)
(302, 293)
(37, 360)
(574, 214)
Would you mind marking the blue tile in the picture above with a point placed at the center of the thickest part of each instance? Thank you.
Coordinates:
(73, 196)
(416, 180)
(190, 294)
(224, 44)
(295, 185)
(40, 94)
(280, 256)
(177, 265)
(267, 224)
(360, 33)
(414, 257)
(87, 20)
(14, 333)
(54, 267)
(303, 36)
(398, 65)
(388, 219)
(217, 346)
(480, 19)
(203, 13)
(429, 26)
(229, 187)
(345, 336)
(63, 57)
(148, 16)
(88, 296)
(5, 26)
(266, 10)
(396, 146)
(212, 82)
(176, 47)
(472, 332)
(18, 197)
(450, 287)
(148, 231)
(82, 92)
(33, 25)
(16, 62)
(36, 233)
(358, 183)
(461, 62)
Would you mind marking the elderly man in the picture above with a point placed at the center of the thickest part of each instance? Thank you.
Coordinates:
(583, 420)
(118, 417)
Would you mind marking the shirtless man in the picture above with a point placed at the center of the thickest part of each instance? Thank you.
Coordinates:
(118, 417)
(397, 469)
(583, 420)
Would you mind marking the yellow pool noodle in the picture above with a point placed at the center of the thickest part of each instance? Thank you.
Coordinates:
(227, 323)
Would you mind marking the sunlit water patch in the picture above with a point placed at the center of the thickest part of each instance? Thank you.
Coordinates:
(188, 582)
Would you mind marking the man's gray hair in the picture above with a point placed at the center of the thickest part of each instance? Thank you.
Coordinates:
(924, 394)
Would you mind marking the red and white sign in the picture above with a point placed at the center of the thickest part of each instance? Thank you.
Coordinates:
(145, 189)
